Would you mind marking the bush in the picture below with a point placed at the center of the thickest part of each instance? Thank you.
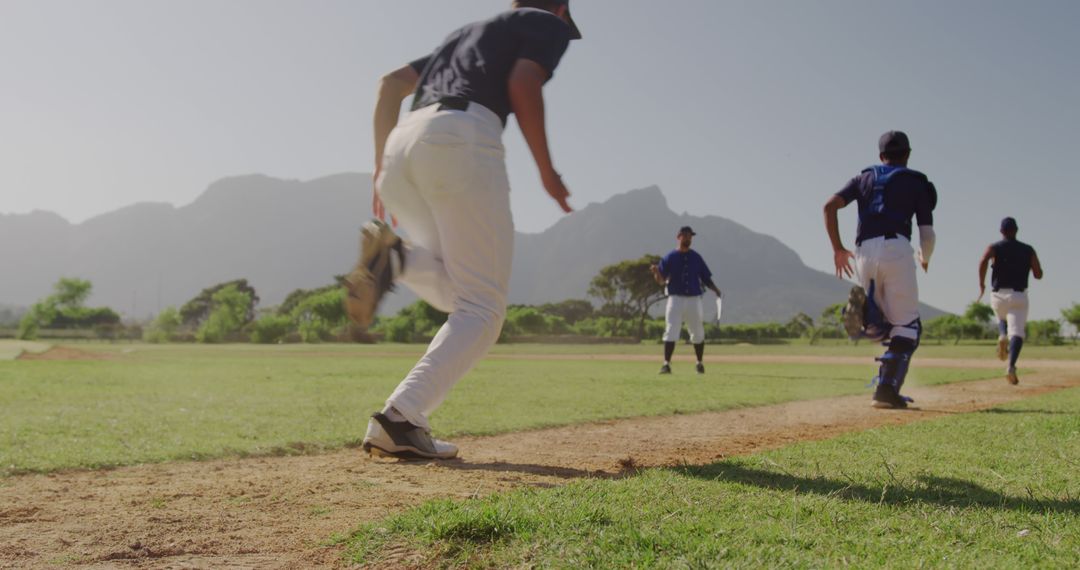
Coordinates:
(1044, 332)
(271, 329)
(228, 315)
(164, 327)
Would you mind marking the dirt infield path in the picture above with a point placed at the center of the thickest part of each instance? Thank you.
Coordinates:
(279, 512)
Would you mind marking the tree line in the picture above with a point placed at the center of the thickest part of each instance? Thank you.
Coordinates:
(625, 295)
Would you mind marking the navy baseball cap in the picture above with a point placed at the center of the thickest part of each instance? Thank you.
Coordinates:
(686, 230)
(575, 33)
(1009, 225)
(893, 141)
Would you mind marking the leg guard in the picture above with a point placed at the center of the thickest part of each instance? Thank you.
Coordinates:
(876, 327)
(895, 362)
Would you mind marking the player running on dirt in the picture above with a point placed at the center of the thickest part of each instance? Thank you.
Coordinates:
(885, 305)
(441, 173)
(1013, 261)
(684, 273)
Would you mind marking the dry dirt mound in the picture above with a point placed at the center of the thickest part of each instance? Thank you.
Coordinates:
(277, 512)
(64, 353)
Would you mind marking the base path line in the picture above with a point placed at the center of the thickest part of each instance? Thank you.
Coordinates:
(279, 511)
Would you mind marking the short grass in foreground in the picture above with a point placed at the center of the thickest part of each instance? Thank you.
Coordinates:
(159, 404)
(993, 489)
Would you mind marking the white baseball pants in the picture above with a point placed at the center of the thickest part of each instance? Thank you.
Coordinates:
(890, 264)
(684, 309)
(1012, 307)
(444, 179)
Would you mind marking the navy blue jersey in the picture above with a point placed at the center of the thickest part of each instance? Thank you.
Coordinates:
(474, 62)
(685, 272)
(1012, 264)
(908, 194)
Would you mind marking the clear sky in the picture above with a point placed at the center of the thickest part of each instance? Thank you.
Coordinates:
(751, 110)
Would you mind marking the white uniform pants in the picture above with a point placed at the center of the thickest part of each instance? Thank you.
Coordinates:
(444, 179)
(890, 264)
(684, 309)
(1012, 307)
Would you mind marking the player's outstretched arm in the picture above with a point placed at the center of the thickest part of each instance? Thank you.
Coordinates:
(1036, 266)
(841, 256)
(987, 256)
(525, 88)
(394, 87)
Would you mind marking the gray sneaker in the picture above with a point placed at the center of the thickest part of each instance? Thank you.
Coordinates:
(382, 258)
(403, 440)
(665, 369)
(854, 313)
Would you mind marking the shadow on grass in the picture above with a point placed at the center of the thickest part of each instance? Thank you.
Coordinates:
(943, 491)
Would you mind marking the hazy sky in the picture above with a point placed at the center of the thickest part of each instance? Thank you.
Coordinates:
(752, 110)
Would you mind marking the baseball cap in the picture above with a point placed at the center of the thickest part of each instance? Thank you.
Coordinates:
(686, 230)
(1009, 225)
(575, 33)
(893, 141)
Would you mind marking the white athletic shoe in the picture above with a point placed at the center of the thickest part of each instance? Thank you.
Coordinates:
(1003, 349)
(1011, 376)
(403, 440)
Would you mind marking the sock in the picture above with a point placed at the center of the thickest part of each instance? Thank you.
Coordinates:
(699, 348)
(1015, 344)
(669, 349)
(1003, 328)
(392, 414)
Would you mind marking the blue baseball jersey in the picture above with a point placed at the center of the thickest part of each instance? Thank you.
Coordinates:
(686, 272)
(1012, 264)
(474, 62)
(907, 195)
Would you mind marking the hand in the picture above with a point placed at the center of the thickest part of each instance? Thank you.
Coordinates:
(842, 260)
(555, 188)
(925, 264)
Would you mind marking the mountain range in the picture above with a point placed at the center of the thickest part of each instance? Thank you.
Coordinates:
(283, 235)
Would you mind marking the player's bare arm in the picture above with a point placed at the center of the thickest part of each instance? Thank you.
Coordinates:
(841, 256)
(1036, 267)
(525, 88)
(394, 87)
(983, 263)
(659, 277)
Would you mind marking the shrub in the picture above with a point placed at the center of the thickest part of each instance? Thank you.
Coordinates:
(271, 329)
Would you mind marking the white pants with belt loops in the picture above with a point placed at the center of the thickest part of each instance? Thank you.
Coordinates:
(684, 309)
(444, 179)
(1012, 307)
(890, 263)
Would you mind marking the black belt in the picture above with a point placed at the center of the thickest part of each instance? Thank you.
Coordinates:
(887, 235)
(996, 289)
(452, 104)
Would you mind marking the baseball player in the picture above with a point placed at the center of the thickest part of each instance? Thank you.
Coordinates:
(441, 173)
(684, 273)
(1013, 261)
(885, 304)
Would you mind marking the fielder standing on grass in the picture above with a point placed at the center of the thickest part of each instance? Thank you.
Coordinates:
(1013, 261)
(685, 275)
(441, 173)
(885, 305)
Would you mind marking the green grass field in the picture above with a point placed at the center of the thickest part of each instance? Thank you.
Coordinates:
(996, 489)
(159, 403)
